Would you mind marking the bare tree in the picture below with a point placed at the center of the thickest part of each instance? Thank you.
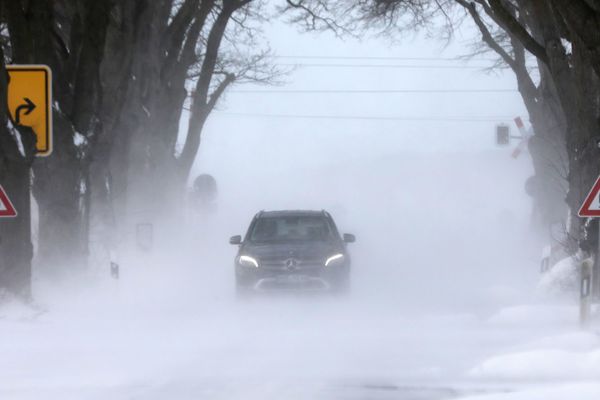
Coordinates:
(219, 45)
(546, 34)
(17, 149)
(121, 76)
(562, 36)
(69, 37)
(549, 185)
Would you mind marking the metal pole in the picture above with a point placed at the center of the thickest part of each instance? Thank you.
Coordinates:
(596, 269)
(585, 305)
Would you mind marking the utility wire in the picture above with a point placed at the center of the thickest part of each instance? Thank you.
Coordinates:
(372, 91)
(369, 118)
(315, 57)
(396, 66)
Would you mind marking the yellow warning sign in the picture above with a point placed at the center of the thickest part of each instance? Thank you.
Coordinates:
(30, 102)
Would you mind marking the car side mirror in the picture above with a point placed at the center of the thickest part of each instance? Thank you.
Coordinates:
(237, 239)
(349, 238)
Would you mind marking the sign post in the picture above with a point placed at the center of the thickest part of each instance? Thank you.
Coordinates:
(30, 102)
(585, 292)
(590, 276)
(525, 136)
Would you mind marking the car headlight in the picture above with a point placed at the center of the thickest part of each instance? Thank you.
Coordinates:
(248, 261)
(334, 258)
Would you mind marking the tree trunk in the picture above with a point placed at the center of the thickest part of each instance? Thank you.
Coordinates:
(547, 147)
(549, 155)
(577, 89)
(16, 250)
(58, 191)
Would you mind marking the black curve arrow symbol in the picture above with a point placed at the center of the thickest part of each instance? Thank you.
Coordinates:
(29, 106)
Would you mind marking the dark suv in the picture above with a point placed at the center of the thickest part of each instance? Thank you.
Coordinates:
(292, 251)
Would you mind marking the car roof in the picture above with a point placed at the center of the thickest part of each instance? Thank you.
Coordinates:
(292, 213)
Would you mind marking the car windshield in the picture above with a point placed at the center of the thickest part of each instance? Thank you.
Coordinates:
(291, 228)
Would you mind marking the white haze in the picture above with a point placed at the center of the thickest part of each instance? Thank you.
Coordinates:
(443, 244)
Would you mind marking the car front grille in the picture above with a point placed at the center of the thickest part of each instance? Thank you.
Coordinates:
(274, 284)
(280, 268)
(291, 264)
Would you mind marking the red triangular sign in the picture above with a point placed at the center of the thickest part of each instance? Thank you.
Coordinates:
(6, 207)
(591, 205)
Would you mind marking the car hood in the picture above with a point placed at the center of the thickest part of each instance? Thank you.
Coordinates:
(305, 251)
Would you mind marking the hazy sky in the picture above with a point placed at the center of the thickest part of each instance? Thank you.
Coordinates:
(273, 138)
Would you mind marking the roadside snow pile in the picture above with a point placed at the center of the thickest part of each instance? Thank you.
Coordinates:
(562, 280)
(12, 309)
(571, 341)
(538, 365)
(528, 315)
(567, 356)
(581, 391)
(563, 357)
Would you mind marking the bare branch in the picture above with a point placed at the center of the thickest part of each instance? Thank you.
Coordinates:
(316, 16)
(504, 17)
(485, 33)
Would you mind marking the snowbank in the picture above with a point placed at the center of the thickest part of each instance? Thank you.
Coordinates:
(571, 341)
(567, 356)
(539, 365)
(527, 315)
(564, 356)
(577, 391)
(12, 309)
(562, 280)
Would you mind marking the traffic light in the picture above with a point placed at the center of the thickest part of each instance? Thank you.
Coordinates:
(502, 135)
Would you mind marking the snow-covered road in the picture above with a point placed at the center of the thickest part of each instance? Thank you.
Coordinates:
(191, 346)
(442, 305)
